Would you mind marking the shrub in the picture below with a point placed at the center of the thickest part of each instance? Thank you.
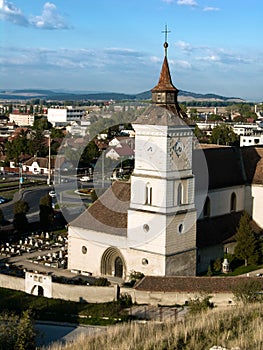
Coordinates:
(125, 300)
(200, 303)
(17, 333)
(101, 282)
(135, 276)
(248, 292)
(217, 266)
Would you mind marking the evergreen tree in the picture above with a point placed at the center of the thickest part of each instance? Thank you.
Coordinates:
(247, 243)
(46, 214)
(20, 221)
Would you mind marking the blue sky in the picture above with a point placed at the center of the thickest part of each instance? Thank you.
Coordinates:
(215, 46)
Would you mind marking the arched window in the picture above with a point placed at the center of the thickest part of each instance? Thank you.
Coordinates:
(148, 194)
(233, 202)
(207, 207)
(180, 194)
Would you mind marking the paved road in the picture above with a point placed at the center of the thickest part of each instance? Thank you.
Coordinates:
(72, 201)
(50, 332)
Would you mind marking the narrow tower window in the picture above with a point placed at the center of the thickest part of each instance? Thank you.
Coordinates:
(148, 199)
(207, 207)
(180, 194)
(233, 202)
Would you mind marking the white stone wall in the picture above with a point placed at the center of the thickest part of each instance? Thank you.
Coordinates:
(35, 280)
(172, 298)
(88, 294)
(96, 243)
(220, 200)
(146, 231)
(257, 204)
(145, 262)
(107, 294)
(181, 233)
(12, 282)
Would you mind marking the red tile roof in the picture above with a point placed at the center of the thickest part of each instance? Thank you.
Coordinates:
(109, 213)
(192, 284)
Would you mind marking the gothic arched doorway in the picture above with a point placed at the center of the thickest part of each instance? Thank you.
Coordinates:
(118, 267)
(112, 263)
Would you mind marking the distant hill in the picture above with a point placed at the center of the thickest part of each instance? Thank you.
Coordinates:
(50, 95)
(192, 96)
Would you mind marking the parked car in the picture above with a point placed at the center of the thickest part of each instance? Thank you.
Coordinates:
(3, 200)
(52, 193)
(84, 178)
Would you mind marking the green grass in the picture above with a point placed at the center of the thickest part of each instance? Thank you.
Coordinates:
(61, 310)
(244, 269)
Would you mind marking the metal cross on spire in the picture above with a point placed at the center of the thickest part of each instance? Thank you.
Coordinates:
(165, 31)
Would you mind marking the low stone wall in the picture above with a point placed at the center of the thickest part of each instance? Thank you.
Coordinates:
(94, 294)
(11, 282)
(173, 298)
(90, 294)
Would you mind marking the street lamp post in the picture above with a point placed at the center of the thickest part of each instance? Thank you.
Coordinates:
(20, 175)
(49, 158)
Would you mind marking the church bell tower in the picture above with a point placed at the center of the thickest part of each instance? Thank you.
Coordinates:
(162, 216)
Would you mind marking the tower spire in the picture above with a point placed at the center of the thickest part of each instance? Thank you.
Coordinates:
(165, 31)
(164, 94)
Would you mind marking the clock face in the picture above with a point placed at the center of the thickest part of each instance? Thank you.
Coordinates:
(178, 148)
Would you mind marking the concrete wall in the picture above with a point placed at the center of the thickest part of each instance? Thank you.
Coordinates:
(88, 294)
(173, 298)
(11, 282)
(257, 195)
(106, 294)
(220, 200)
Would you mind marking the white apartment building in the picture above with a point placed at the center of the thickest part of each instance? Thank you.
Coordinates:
(251, 140)
(245, 129)
(60, 116)
(22, 119)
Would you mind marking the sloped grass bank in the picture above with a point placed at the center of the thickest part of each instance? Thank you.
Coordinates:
(236, 327)
(59, 310)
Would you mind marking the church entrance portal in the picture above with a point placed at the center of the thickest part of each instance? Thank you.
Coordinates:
(112, 263)
(118, 267)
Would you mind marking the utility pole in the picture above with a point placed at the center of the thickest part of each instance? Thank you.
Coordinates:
(20, 176)
(49, 157)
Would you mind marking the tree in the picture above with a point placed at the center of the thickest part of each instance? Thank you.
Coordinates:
(18, 146)
(42, 124)
(223, 135)
(248, 292)
(17, 333)
(247, 243)
(90, 152)
(20, 221)
(46, 214)
(37, 144)
(1, 217)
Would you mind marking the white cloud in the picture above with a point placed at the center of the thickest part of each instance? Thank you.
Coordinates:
(9, 12)
(208, 8)
(184, 46)
(187, 2)
(49, 19)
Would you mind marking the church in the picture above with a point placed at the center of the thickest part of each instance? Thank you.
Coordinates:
(180, 209)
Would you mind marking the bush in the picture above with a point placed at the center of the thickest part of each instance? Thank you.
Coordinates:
(125, 300)
(248, 292)
(17, 333)
(135, 276)
(217, 266)
(199, 304)
(101, 282)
